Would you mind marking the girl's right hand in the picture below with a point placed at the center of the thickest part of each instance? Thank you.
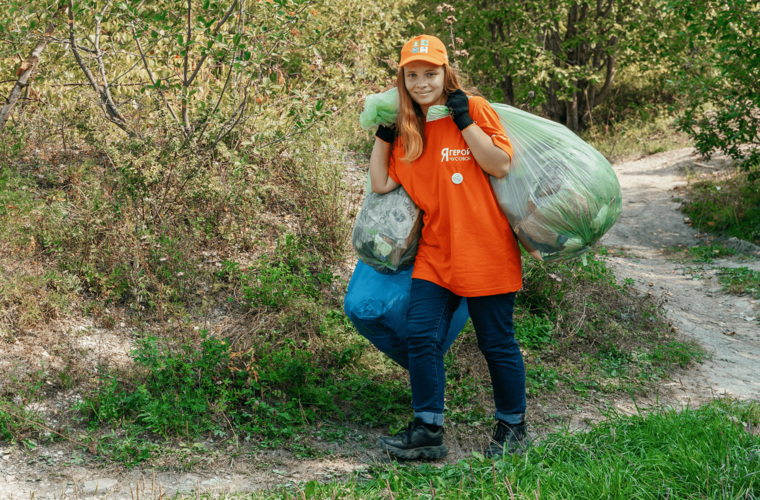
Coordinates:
(386, 134)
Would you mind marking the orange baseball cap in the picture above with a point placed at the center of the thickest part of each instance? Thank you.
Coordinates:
(424, 48)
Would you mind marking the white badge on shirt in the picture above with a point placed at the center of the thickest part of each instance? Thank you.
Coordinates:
(457, 178)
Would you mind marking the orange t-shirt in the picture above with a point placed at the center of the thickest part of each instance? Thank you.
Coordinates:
(467, 245)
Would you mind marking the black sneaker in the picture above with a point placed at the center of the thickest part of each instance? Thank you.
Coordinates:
(507, 438)
(419, 440)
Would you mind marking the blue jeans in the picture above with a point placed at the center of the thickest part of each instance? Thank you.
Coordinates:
(430, 310)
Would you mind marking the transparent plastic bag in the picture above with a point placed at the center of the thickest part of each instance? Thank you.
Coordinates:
(561, 195)
(377, 305)
(380, 109)
(387, 230)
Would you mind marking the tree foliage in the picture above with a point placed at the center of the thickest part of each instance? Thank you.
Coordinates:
(561, 54)
(720, 76)
(247, 72)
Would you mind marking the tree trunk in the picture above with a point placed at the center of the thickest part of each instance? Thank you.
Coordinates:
(25, 72)
(572, 113)
(497, 37)
(508, 89)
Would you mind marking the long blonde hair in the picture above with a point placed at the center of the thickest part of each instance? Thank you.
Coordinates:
(410, 122)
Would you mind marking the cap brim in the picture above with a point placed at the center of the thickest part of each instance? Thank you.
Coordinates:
(420, 57)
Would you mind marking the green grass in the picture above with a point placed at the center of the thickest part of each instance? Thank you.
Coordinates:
(678, 353)
(708, 253)
(302, 366)
(16, 200)
(271, 390)
(267, 397)
(740, 281)
(710, 452)
(728, 204)
(16, 423)
(582, 330)
(632, 137)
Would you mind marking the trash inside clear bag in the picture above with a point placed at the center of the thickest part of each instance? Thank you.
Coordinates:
(560, 195)
(387, 230)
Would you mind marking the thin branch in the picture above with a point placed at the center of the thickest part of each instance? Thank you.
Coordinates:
(150, 75)
(189, 35)
(85, 84)
(237, 115)
(92, 447)
(218, 101)
(185, 82)
(216, 31)
(106, 105)
(63, 41)
(101, 66)
(27, 68)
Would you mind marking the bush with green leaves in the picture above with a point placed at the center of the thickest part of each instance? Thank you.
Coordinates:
(718, 77)
(265, 395)
(243, 74)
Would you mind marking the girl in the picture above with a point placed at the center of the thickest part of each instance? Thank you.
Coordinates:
(467, 248)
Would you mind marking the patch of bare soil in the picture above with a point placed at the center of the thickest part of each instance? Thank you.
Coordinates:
(641, 250)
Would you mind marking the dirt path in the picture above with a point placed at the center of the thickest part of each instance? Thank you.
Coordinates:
(650, 224)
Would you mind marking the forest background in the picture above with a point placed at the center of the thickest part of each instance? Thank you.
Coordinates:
(173, 173)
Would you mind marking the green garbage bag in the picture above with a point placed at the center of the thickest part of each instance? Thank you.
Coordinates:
(380, 109)
(560, 195)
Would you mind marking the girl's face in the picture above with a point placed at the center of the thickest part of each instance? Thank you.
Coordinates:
(424, 82)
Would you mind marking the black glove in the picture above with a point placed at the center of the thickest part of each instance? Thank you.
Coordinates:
(386, 134)
(460, 109)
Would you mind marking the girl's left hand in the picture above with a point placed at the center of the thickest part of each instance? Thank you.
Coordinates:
(460, 109)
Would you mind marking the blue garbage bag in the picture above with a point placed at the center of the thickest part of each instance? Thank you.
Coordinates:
(377, 305)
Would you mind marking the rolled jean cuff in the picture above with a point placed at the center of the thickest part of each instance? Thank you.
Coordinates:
(513, 419)
(429, 418)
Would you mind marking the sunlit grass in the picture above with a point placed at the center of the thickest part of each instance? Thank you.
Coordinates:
(728, 203)
(633, 138)
(710, 452)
